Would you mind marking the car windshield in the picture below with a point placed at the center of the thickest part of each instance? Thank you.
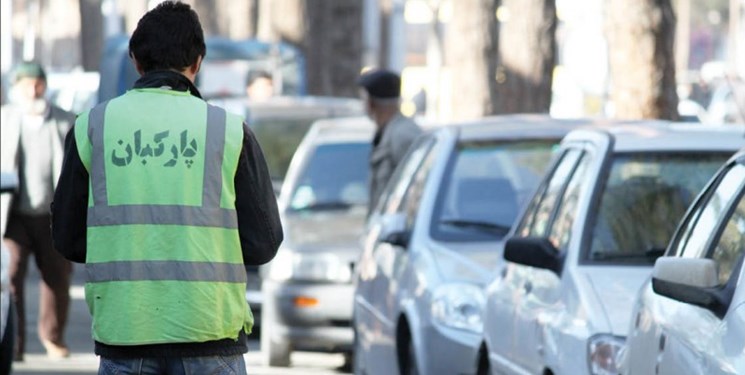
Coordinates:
(484, 186)
(279, 138)
(334, 177)
(644, 198)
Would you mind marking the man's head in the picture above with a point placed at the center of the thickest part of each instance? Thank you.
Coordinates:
(169, 37)
(259, 85)
(29, 86)
(381, 91)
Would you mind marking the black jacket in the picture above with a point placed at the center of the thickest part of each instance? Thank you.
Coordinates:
(258, 221)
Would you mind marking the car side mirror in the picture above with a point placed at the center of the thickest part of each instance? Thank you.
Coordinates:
(393, 230)
(691, 280)
(535, 252)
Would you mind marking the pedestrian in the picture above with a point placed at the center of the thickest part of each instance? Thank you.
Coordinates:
(166, 199)
(32, 134)
(259, 85)
(381, 91)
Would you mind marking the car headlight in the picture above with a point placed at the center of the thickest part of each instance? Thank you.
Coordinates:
(290, 265)
(604, 354)
(459, 306)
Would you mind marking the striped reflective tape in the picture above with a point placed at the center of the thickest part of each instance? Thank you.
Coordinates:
(159, 270)
(162, 215)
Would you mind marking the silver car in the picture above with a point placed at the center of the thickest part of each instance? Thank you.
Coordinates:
(561, 303)
(280, 123)
(429, 244)
(690, 317)
(307, 288)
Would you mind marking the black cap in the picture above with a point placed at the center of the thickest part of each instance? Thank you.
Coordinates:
(381, 84)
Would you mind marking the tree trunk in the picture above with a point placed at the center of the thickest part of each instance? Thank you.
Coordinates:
(471, 52)
(640, 35)
(527, 56)
(329, 35)
(91, 33)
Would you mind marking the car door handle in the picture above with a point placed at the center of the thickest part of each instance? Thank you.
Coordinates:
(528, 287)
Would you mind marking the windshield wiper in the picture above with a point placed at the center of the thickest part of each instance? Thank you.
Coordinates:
(323, 206)
(651, 254)
(480, 225)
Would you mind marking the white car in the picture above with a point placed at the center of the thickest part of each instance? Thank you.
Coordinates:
(307, 288)
(587, 241)
(429, 244)
(690, 318)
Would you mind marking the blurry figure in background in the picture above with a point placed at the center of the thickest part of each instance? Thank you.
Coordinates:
(33, 133)
(182, 201)
(381, 91)
(259, 85)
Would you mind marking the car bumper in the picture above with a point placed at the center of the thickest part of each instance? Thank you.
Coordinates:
(310, 316)
(461, 346)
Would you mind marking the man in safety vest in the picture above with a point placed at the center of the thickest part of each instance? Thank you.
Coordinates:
(166, 199)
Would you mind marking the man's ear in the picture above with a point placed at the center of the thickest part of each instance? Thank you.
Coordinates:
(136, 64)
(194, 68)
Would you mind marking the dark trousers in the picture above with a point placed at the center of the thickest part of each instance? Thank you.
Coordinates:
(31, 235)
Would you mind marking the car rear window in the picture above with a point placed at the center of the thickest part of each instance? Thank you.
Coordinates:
(642, 201)
(484, 187)
(334, 177)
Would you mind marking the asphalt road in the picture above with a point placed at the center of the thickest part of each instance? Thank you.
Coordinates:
(83, 362)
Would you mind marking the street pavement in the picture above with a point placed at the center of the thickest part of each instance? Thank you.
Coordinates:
(82, 361)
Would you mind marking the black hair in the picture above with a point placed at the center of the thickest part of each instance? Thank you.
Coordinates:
(168, 37)
(256, 74)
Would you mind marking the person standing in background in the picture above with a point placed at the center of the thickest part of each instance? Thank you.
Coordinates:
(381, 91)
(32, 135)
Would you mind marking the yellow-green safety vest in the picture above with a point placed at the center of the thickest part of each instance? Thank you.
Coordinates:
(164, 261)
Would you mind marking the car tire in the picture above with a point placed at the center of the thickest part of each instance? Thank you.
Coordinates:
(406, 353)
(358, 367)
(482, 364)
(275, 351)
(8, 341)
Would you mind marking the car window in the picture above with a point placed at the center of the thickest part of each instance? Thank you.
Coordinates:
(279, 138)
(413, 195)
(642, 200)
(402, 176)
(485, 185)
(731, 244)
(702, 225)
(536, 222)
(561, 228)
(333, 177)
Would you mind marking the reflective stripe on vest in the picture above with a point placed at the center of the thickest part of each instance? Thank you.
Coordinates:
(210, 214)
(165, 270)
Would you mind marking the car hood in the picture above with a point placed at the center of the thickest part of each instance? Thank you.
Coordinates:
(327, 231)
(615, 289)
(466, 262)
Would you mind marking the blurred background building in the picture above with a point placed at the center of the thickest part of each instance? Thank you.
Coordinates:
(423, 39)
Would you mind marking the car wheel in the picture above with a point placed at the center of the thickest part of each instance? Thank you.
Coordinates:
(358, 367)
(483, 363)
(406, 354)
(8, 341)
(275, 351)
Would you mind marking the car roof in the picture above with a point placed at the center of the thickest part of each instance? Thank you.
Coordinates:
(342, 129)
(663, 136)
(517, 126)
(295, 106)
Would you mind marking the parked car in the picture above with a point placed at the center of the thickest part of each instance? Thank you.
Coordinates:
(280, 123)
(587, 240)
(690, 317)
(428, 247)
(8, 183)
(307, 288)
